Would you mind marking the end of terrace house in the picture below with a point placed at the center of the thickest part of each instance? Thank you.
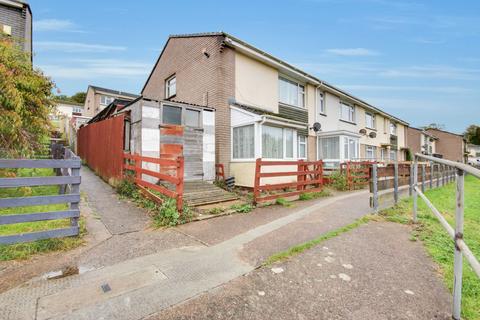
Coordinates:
(267, 108)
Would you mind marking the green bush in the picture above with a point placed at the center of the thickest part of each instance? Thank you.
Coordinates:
(338, 180)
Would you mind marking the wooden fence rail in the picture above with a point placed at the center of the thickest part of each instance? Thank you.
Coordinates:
(356, 172)
(169, 170)
(69, 176)
(307, 173)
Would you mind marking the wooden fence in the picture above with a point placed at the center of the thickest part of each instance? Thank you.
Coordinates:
(393, 176)
(309, 178)
(69, 178)
(170, 171)
(356, 172)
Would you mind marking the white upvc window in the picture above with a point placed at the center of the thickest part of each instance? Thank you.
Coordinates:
(243, 142)
(291, 92)
(302, 147)
(77, 109)
(106, 100)
(278, 143)
(383, 154)
(393, 128)
(350, 148)
(370, 152)
(335, 149)
(370, 120)
(393, 155)
(347, 112)
(171, 87)
(320, 103)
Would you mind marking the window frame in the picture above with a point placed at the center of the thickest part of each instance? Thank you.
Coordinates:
(393, 126)
(254, 142)
(168, 94)
(320, 103)
(301, 92)
(374, 122)
(373, 149)
(304, 143)
(352, 112)
(106, 97)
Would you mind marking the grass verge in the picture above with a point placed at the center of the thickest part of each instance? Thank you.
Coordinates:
(26, 250)
(293, 251)
(438, 243)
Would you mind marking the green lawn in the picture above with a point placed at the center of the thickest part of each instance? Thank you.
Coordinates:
(438, 243)
(25, 250)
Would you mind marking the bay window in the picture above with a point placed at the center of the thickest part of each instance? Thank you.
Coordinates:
(329, 148)
(393, 155)
(243, 143)
(291, 93)
(347, 112)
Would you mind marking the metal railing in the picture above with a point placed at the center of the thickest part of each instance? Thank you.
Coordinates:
(461, 248)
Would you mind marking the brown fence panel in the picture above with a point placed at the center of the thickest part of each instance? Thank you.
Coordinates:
(100, 145)
(309, 178)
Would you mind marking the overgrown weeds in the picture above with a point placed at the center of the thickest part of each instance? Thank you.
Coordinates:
(164, 214)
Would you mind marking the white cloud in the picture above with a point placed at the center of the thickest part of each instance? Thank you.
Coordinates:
(436, 72)
(74, 47)
(55, 25)
(97, 68)
(353, 52)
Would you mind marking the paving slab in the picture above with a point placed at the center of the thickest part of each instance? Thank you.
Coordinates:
(372, 272)
(118, 215)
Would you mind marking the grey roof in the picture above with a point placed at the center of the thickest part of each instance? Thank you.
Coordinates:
(221, 33)
(115, 92)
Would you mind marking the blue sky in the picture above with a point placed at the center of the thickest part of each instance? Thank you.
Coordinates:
(418, 60)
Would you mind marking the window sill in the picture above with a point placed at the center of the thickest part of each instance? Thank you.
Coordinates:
(373, 129)
(322, 114)
(349, 122)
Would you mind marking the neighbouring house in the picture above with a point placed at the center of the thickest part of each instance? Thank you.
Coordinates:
(16, 21)
(437, 143)
(98, 98)
(473, 157)
(421, 141)
(267, 108)
(61, 115)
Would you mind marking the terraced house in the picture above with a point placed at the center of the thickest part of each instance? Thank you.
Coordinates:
(267, 108)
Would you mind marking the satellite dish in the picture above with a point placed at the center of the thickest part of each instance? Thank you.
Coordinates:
(316, 126)
(372, 134)
(363, 131)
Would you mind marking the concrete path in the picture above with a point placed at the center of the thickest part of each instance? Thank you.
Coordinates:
(138, 272)
(372, 272)
(145, 285)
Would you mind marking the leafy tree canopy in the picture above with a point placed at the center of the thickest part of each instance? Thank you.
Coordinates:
(78, 97)
(472, 134)
(438, 126)
(25, 102)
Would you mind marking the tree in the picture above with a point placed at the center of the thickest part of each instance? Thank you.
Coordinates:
(25, 102)
(472, 134)
(438, 126)
(79, 97)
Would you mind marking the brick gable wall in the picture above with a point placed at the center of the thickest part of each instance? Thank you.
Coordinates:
(200, 80)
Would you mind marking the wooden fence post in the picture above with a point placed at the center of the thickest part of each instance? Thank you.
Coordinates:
(75, 189)
(138, 167)
(300, 178)
(180, 183)
(256, 191)
(349, 176)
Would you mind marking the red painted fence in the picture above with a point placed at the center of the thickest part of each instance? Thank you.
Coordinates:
(100, 145)
(309, 179)
(171, 170)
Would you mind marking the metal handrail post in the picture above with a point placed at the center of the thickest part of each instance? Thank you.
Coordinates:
(458, 259)
(415, 193)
